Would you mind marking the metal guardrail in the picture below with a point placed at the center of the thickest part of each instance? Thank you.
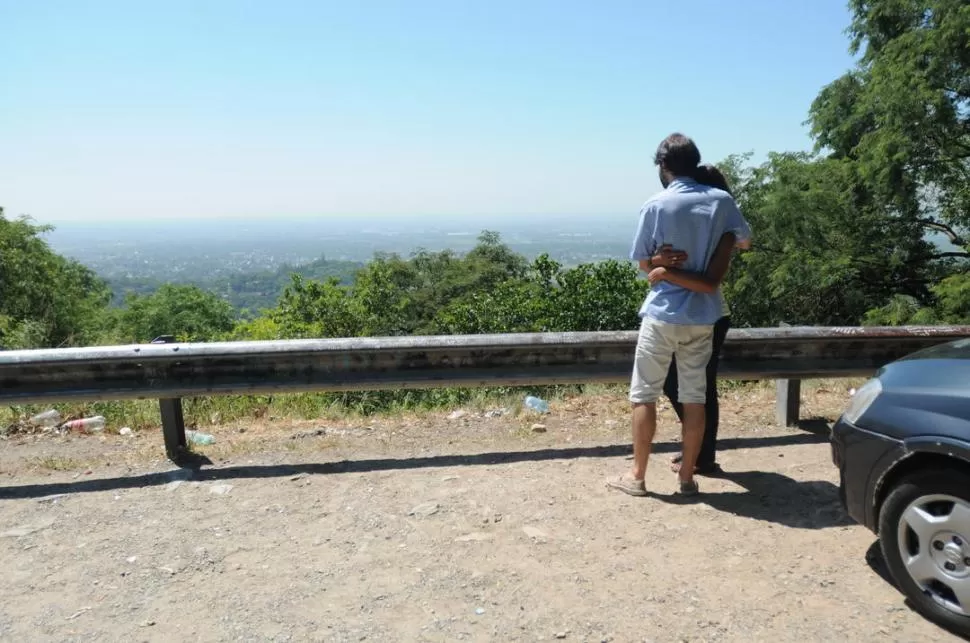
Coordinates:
(170, 371)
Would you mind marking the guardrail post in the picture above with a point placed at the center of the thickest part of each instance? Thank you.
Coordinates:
(173, 420)
(788, 401)
(788, 398)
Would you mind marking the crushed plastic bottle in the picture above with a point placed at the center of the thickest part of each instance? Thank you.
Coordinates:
(533, 403)
(47, 419)
(200, 439)
(86, 425)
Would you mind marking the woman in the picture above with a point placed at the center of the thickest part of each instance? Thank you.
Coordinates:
(667, 257)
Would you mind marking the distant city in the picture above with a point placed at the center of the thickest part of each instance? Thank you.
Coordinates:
(221, 254)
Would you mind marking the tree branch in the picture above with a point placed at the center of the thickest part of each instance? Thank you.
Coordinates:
(951, 234)
(945, 255)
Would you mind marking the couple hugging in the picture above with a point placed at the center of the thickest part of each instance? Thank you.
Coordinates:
(684, 242)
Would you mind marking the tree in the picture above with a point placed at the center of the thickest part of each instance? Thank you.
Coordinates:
(824, 252)
(903, 113)
(46, 300)
(547, 298)
(187, 312)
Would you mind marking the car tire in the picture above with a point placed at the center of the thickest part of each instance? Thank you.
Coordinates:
(924, 490)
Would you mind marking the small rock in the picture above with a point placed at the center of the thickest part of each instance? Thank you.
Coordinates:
(26, 530)
(473, 537)
(535, 533)
(308, 434)
(125, 430)
(480, 611)
(496, 413)
(299, 476)
(132, 559)
(560, 635)
(457, 415)
(425, 509)
(538, 428)
(147, 623)
(220, 489)
(449, 478)
(51, 499)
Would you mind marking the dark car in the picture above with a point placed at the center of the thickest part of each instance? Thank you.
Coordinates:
(903, 452)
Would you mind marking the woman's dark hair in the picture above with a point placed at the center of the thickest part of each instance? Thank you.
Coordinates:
(709, 175)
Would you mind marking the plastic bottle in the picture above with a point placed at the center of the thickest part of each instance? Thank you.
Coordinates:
(201, 439)
(87, 425)
(535, 404)
(47, 419)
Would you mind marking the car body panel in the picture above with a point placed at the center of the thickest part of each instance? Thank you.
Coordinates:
(861, 456)
(924, 408)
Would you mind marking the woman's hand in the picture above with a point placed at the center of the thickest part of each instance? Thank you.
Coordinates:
(657, 275)
(667, 257)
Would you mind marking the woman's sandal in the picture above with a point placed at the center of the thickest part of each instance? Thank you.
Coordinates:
(712, 469)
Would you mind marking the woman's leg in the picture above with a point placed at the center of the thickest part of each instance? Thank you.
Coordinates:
(708, 456)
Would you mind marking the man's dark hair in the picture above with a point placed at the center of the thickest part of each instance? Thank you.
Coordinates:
(709, 175)
(678, 155)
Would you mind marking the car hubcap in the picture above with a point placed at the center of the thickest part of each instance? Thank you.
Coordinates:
(934, 543)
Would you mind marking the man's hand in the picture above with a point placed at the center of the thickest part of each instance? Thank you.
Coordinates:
(657, 275)
(667, 257)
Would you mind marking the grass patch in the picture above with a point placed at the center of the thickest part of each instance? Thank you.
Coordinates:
(202, 412)
(56, 463)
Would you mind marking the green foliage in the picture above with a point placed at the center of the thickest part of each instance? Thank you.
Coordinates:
(904, 112)
(951, 305)
(45, 299)
(187, 312)
(548, 298)
(824, 253)
(249, 292)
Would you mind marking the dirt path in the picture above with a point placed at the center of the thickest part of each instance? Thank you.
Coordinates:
(437, 530)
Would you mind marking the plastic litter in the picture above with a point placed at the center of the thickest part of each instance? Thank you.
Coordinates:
(86, 425)
(47, 419)
(536, 404)
(200, 439)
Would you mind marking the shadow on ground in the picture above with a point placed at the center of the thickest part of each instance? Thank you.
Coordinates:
(194, 471)
(774, 497)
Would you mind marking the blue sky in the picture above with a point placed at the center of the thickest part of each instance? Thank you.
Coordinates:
(134, 110)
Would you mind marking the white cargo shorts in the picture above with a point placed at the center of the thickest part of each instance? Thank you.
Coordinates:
(657, 344)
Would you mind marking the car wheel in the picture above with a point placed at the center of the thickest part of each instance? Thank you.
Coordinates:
(924, 532)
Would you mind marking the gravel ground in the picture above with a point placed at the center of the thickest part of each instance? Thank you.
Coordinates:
(432, 529)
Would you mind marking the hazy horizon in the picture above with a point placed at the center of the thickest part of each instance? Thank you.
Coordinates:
(228, 111)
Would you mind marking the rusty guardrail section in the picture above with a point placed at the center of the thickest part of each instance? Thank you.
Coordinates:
(171, 371)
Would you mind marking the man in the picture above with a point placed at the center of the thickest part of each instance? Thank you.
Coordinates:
(670, 258)
(679, 313)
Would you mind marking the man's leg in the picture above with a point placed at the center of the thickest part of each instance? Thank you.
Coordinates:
(712, 413)
(655, 347)
(693, 353)
(644, 429)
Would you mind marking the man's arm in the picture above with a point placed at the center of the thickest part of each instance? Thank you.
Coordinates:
(706, 282)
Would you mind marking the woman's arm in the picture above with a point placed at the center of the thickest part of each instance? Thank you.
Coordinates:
(706, 282)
